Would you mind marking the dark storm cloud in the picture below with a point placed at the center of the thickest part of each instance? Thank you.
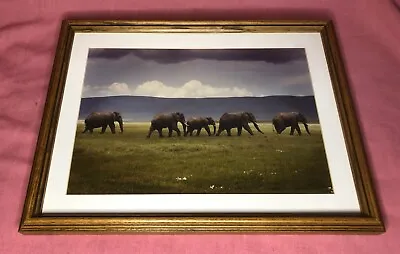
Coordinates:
(108, 53)
(168, 56)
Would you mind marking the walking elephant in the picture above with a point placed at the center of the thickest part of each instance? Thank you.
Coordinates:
(170, 121)
(290, 119)
(237, 120)
(103, 119)
(198, 124)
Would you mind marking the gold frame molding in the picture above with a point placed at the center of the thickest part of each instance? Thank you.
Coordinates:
(33, 221)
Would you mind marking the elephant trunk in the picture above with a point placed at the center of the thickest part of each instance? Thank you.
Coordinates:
(121, 125)
(214, 128)
(256, 125)
(184, 125)
(306, 126)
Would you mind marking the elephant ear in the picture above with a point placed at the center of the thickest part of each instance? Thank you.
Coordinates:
(116, 115)
(181, 116)
(251, 116)
(247, 116)
(277, 122)
(176, 115)
(280, 122)
(301, 117)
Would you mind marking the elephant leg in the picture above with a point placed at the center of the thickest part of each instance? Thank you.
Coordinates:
(151, 129)
(198, 131)
(112, 127)
(176, 129)
(91, 131)
(208, 130)
(160, 132)
(85, 130)
(169, 131)
(229, 131)
(239, 130)
(220, 129)
(298, 130)
(189, 130)
(292, 130)
(247, 128)
(103, 129)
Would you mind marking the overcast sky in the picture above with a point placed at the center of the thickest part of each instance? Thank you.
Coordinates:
(197, 73)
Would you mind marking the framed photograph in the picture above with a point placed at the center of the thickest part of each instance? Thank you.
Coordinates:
(199, 126)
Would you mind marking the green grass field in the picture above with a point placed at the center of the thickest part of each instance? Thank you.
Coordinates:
(130, 163)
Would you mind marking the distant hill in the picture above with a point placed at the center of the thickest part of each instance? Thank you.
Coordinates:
(142, 108)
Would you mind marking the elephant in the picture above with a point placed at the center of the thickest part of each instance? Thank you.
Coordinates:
(103, 119)
(198, 124)
(237, 120)
(168, 120)
(289, 119)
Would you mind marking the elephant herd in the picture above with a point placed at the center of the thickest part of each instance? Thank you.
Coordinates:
(227, 122)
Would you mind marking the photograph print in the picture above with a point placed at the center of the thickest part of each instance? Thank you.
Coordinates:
(198, 121)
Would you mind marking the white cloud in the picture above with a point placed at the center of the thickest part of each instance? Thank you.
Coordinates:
(119, 89)
(191, 89)
(154, 88)
(113, 89)
(90, 91)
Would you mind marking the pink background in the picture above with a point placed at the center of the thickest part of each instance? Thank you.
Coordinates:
(369, 34)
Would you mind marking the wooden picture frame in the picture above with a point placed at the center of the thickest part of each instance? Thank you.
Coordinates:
(351, 207)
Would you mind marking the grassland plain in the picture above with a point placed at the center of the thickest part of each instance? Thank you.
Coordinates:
(129, 163)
